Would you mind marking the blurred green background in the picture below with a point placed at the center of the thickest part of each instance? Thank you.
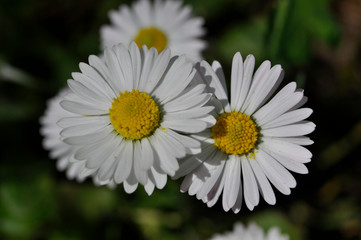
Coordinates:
(316, 41)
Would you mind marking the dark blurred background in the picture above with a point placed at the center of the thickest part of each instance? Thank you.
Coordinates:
(316, 41)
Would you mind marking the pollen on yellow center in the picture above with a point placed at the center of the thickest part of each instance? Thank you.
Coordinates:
(235, 133)
(134, 114)
(152, 37)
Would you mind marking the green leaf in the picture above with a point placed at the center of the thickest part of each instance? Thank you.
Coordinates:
(245, 38)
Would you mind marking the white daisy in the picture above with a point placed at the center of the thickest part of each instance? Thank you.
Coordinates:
(133, 112)
(254, 140)
(64, 153)
(252, 232)
(162, 24)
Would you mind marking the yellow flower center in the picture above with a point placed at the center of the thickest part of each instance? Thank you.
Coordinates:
(152, 37)
(134, 114)
(235, 133)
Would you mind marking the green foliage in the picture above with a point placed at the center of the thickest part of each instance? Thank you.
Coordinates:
(298, 23)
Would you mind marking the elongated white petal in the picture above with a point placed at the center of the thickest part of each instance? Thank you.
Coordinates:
(140, 174)
(263, 183)
(216, 66)
(215, 168)
(125, 162)
(90, 138)
(236, 78)
(232, 174)
(292, 130)
(215, 86)
(250, 185)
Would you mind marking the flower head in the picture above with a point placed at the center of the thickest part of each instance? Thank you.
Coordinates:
(132, 113)
(257, 138)
(162, 24)
(251, 232)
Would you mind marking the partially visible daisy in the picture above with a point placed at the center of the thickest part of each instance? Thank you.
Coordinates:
(133, 112)
(162, 24)
(252, 232)
(254, 141)
(62, 152)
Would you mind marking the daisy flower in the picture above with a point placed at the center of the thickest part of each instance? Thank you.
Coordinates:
(161, 24)
(252, 232)
(254, 141)
(133, 112)
(62, 152)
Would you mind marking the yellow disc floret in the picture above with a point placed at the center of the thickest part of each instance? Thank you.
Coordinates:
(152, 37)
(134, 114)
(235, 133)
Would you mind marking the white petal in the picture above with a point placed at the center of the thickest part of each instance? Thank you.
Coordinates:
(215, 167)
(140, 174)
(186, 183)
(157, 71)
(186, 125)
(83, 108)
(188, 142)
(260, 74)
(159, 179)
(148, 59)
(125, 64)
(250, 185)
(263, 183)
(90, 138)
(215, 86)
(265, 88)
(289, 163)
(289, 118)
(288, 149)
(216, 191)
(149, 187)
(217, 68)
(175, 81)
(192, 162)
(236, 78)
(125, 162)
(136, 63)
(168, 163)
(99, 79)
(185, 101)
(170, 144)
(246, 82)
(116, 77)
(284, 174)
(107, 170)
(190, 113)
(232, 174)
(102, 152)
(279, 104)
(82, 129)
(196, 185)
(237, 206)
(301, 140)
(91, 96)
(284, 101)
(292, 130)
(146, 154)
(131, 184)
(74, 121)
(271, 173)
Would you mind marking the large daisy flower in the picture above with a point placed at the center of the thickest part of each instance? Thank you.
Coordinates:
(133, 113)
(62, 152)
(252, 232)
(162, 24)
(254, 141)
